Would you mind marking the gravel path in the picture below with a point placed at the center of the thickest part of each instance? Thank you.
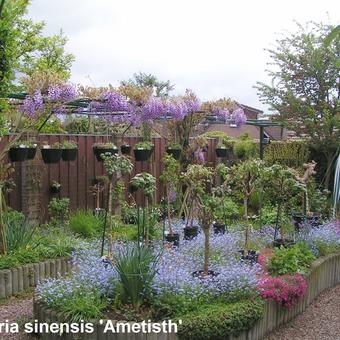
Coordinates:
(321, 320)
(17, 310)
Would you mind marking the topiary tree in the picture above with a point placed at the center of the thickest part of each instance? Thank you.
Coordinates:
(115, 166)
(247, 177)
(170, 176)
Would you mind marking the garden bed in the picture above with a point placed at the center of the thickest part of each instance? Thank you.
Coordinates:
(16, 280)
(324, 273)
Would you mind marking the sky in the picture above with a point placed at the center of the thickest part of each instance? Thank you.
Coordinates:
(214, 47)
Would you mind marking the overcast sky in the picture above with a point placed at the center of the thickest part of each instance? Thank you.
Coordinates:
(214, 47)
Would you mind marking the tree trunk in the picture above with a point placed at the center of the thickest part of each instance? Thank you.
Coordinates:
(328, 171)
(245, 202)
(169, 209)
(109, 217)
(206, 249)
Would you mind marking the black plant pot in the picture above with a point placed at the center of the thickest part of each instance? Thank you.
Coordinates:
(174, 239)
(50, 156)
(142, 154)
(98, 152)
(286, 243)
(298, 219)
(125, 149)
(17, 154)
(69, 155)
(249, 257)
(200, 274)
(219, 228)
(190, 232)
(54, 189)
(99, 212)
(175, 153)
(132, 189)
(314, 220)
(31, 152)
(221, 152)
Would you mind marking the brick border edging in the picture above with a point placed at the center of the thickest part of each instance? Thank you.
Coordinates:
(324, 274)
(19, 279)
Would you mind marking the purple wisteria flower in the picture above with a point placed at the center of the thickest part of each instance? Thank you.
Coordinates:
(153, 109)
(114, 102)
(177, 109)
(239, 117)
(61, 92)
(32, 104)
(223, 113)
(192, 104)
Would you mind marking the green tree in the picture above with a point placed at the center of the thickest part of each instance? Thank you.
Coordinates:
(305, 87)
(142, 80)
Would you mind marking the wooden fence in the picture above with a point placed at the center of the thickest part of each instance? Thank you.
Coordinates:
(76, 177)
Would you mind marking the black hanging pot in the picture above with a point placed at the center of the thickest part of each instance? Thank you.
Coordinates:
(174, 239)
(69, 155)
(50, 156)
(175, 153)
(142, 154)
(250, 257)
(31, 152)
(219, 228)
(99, 151)
(221, 152)
(190, 232)
(54, 189)
(125, 149)
(17, 154)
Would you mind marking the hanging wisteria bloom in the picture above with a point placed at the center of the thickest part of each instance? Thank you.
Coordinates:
(222, 113)
(192, 104)
(61, 92)
(114, 102)
(177, 109)
(32, 104)
(239, 117)
(154, 108)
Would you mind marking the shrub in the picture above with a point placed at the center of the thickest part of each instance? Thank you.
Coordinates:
(136, 267)
(59, 210)
(84, 223)
(84, 305)
(285, 290)
(19, 232)
(291, 260)
(217, 321)
(245, 147)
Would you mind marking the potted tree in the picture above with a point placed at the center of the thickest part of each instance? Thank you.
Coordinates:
(51, 153)
(96, 189)
(115, 166)
(143, 150)
(281, 187)
(195, 179)
(101, 148)
(174, 149)
(69, 150)
(147, 183)
(170, 177)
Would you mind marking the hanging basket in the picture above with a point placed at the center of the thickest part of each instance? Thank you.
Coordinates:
(17, 154)
(51, 156)
(99, 151)
(175, 153)
(69, 155)
(125, 149)
(142, 154)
